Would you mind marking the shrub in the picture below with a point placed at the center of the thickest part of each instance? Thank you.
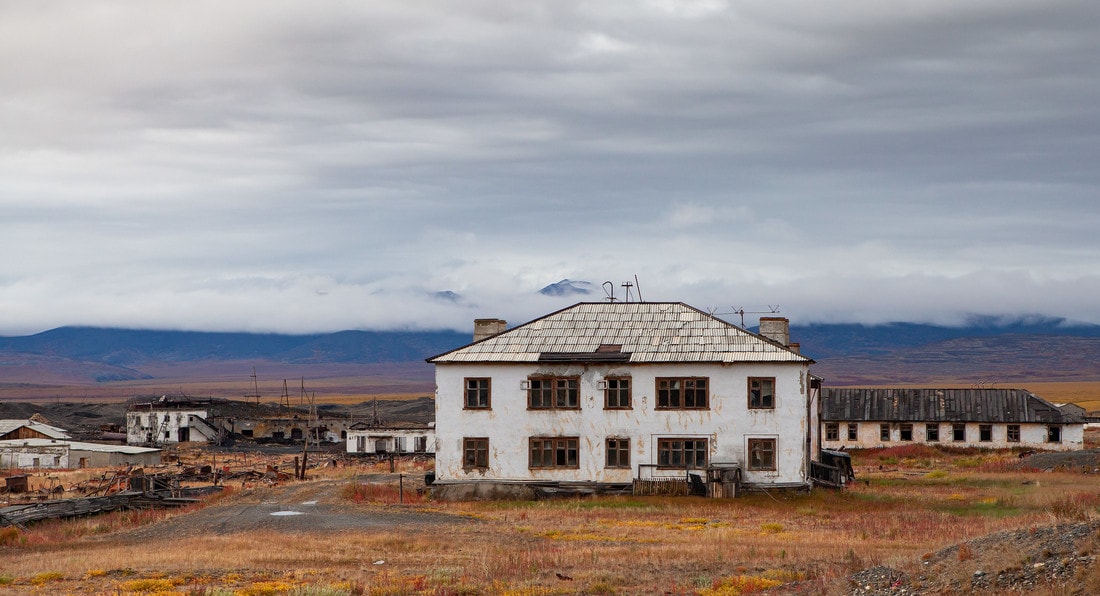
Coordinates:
(11, 536)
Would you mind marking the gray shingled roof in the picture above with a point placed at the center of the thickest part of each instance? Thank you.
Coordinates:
(940, 405)
(645, 332)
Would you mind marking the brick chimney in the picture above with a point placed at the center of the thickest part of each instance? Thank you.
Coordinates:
(777, 329)
(485, 328)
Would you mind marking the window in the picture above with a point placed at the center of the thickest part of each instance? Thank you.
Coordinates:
(932, 432)
(762, 393)
(475, 453)
(477, 394)
(682, 453)
(616, 394)
(832, 431)
(905, 432)
(884, 432)
(682, 394)
(618, 453)
(550, 393)
(853, 431)
(958, 432)
(761, 454)
(1012, 434)
(1054, 434)
(554, 452)
(985, 432)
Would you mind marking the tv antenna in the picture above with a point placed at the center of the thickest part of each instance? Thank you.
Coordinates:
(627, 286)
(740, 310)
(255, 388)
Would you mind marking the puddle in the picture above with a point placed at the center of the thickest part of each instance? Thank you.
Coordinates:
(282, 513)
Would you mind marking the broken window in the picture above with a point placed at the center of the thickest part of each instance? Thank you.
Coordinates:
(554, 452)
(618, 453)
(548, 393)
(832, 431)
(682, 393)
(1054, 434)
(762, 393)
(477, 394)
(932, 432)
(475, 453)
(1012, 433)
(958, 432)
(682, 453)
(617, 393)
(360, 444)
(853, 431)
(985, 432)
(762, 454)
(884, 432)
(421, 444)
(905, 432)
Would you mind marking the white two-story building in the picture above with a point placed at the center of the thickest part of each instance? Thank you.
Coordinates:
(611, 392)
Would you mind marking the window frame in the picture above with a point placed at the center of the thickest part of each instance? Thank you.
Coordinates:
(664, 395)
(566, 449)
(985, 433)
(1012, 433)
(958, 432)
(552, 392)
(757, 399)
(884, 432)
(1054, 433)
(905, 431)
(932, 432)
(667, 447)
(767, 445)
(832, 431)
(853, 431)
(488, 391)
(616, 450)
(618, 390)
(479, 446)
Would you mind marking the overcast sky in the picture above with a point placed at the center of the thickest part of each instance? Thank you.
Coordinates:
(318, 166)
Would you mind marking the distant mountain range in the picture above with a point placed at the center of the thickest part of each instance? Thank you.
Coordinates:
(985, 350)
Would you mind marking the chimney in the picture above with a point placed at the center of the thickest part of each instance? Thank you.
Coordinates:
(776, 329)
(486, 328)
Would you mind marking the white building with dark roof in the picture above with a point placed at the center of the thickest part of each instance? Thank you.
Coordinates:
(858, 418)
(611, 392)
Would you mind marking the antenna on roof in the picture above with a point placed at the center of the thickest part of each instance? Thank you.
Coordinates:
(740, 310)
(638, 284)
(609, 290)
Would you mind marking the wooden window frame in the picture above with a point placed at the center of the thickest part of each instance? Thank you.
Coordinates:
(1012, 433)
(759, 451)
(475, 453)
(905, 431)
(932, 432)
(853, 431)
(758, 400)
(985, 433)
(618, 390)
(958, 428)
(884, 432)
(553, 453)
(549, 392)
(617, 450)
(832, 431)
(677, 398)
(674, 453)
(468, 391)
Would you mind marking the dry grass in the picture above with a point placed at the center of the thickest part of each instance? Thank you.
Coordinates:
(606, 545)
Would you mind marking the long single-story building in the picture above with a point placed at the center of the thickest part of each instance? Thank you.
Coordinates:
(63, 454)
(859, 418)
(367, 439)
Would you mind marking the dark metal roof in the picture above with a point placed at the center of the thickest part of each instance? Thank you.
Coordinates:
(940, 405)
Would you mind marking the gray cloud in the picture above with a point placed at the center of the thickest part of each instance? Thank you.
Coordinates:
(246, 166)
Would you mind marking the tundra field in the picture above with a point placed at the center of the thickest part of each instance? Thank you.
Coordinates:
(350, 529)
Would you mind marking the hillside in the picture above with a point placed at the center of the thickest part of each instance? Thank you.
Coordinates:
(124, 362)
